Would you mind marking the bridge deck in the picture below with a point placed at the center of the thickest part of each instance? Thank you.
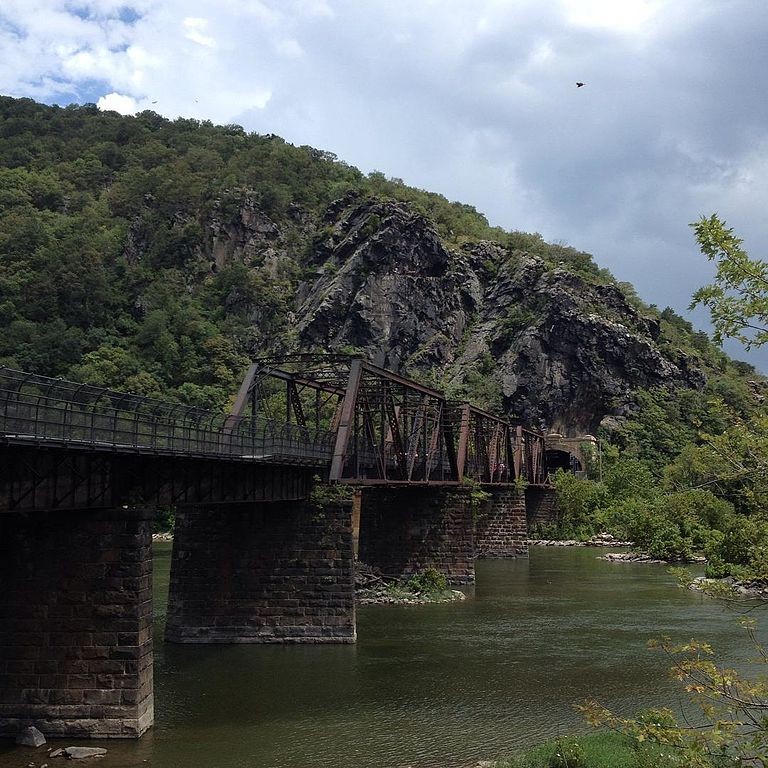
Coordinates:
(354, 422)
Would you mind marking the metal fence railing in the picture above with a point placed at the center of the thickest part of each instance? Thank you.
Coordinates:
(38, 409)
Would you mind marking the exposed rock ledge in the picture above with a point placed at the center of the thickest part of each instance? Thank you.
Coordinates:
(642, 557)
(598, 540)
(731, 587)
(629, 557)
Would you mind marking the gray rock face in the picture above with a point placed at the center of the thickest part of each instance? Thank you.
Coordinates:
(30, 737)
(542, 344)
(388, 288)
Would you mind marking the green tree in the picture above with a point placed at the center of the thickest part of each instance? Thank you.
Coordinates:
(738, 299)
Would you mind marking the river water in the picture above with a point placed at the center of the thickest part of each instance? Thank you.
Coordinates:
(436, 686)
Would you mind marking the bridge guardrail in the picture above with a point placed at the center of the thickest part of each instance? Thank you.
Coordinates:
(36, 409)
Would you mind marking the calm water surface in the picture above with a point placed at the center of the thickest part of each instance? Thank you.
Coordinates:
(438, 686)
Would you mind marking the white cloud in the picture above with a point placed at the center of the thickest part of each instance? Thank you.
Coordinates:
(619, 15)
(194, 31)
(118, 102)
(290, 48)
(315, 9)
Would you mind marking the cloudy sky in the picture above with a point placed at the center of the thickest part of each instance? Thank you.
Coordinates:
(475, 99)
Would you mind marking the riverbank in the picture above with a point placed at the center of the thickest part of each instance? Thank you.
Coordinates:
(754, 589)
(602, 749)
(605, 540)
(598, 540)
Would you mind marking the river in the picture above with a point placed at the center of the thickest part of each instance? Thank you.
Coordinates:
(436, 686)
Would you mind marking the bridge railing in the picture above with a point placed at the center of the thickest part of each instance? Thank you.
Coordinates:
(37, 409)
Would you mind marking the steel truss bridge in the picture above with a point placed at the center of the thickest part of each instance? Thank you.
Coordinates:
(338, 416)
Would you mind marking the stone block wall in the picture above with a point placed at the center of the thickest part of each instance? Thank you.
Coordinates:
(541, 507)
(501, 526)
(279, 572)
(76, 623)
(404, 530)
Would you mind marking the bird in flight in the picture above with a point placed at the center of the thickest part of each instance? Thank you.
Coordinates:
(579, 85)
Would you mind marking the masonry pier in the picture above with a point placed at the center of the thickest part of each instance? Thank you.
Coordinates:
(277, 572)
(541, 507)
(500, 524)
(405, 530)
(76, 623)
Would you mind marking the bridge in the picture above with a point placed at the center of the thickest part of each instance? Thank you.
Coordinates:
(261, 553)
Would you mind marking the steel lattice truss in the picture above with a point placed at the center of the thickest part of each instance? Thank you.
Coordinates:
(388, 429)
(351, 420)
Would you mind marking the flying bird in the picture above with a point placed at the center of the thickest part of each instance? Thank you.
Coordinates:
(579, 85)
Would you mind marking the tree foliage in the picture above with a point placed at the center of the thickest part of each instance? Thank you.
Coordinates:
(738, 299)
(726, 723)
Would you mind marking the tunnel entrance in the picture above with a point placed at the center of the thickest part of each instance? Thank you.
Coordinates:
(554, 460)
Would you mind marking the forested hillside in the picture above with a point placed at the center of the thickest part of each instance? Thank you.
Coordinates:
(159, 256)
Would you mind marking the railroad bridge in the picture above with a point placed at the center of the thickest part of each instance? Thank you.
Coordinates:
(264, 544)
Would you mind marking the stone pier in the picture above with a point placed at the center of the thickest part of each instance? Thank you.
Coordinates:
(500, 524)
(541, 507)
(76, 623)
(278, 572)
(405, 530)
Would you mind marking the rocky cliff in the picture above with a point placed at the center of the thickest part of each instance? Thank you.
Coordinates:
(499, 325)
(159, 256)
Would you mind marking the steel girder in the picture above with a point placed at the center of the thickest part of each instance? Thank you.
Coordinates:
(388, 429)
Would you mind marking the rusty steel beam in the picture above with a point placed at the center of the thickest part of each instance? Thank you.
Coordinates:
(295, 401)
(346, 420)
(461, 453)
(304, 381)
(242, 396)
(383, 373)
(518, 452)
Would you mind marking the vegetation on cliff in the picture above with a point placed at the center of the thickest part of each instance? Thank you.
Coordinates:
(688, 476)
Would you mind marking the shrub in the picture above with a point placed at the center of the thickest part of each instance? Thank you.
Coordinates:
(428, 581)
(568, 754)
(577, 500)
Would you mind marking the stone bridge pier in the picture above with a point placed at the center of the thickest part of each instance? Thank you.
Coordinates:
(404, 530)
(501, 528)
(76, 622)
(276, 572)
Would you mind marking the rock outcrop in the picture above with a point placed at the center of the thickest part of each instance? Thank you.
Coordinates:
(542, 343)
(388, 288)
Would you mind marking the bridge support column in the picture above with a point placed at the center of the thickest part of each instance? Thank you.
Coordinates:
(404, 530)
(541, 507)
(279, 572)
(500, 524)
(76, 623)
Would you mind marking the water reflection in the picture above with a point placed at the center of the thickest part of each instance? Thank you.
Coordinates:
(429, 686)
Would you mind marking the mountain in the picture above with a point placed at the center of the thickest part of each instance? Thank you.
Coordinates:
(160, 256)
